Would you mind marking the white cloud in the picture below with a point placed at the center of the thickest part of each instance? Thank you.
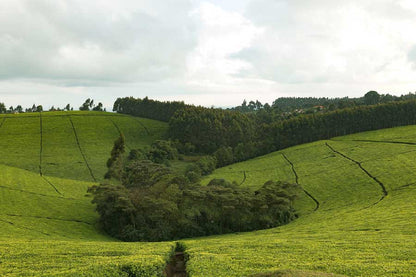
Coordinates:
(328, 41)
(95, 40)
(207, 52)
(220, 34)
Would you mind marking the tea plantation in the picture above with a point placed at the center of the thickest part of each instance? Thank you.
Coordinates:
(357, 212)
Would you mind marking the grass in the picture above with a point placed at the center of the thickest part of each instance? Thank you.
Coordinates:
(71, 141)
(48, 225)
(350, 234)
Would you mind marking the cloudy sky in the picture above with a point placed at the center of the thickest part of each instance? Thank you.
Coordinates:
(214, 52)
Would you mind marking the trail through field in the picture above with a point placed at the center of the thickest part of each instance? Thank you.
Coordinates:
(383, 187)
(2, 122)
(80, 150)
(144, 127)
(51, 218)
(119, 131)
(244, 178)
(41, 153)
(297, 182)
(24, 227)
(384, 141)
(177, 266)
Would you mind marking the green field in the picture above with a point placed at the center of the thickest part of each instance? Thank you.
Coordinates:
(47, 223)
(347, 225)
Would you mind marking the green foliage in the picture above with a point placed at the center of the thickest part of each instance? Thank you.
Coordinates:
(209, 129)
(168, 210)
(147, 108)
(98, 108)
(87, 105)
(161, 151)
(371, 98)
(143, 173)
(204, 166)
(224, 156)
(115, 162)
(2, 108)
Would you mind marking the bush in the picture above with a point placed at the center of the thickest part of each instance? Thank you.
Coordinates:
(224, 156)
(207, 164)
(167, 210)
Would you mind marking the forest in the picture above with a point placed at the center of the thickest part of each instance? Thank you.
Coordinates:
(154, 203)
(233, 136)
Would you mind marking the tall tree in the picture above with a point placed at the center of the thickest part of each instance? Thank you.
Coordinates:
(86, 105)
(2, 108)
(99, 107)
(371, 98)
(115, 162)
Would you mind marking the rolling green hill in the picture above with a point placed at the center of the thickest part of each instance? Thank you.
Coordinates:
(47, 223)
(359, 228)
(357, 212)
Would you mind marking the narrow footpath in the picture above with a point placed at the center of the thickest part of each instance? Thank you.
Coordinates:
(177, 266)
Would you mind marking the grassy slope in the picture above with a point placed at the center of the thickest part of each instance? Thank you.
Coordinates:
(349, 234)
(47, 224)
(48, 231)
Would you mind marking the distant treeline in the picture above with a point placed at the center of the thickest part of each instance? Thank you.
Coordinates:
(233, 136)
(290, 104)
(88, 105)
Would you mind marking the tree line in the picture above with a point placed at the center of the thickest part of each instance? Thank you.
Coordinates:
(148, 108)
(310, 104)
(88, 105)
(233, 136)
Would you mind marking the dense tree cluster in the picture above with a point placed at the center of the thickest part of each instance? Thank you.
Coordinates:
(209, 129)
(89, 105)
(154, 203)
(251, 136)
(314, 127)
(231, 135)
(148, 108)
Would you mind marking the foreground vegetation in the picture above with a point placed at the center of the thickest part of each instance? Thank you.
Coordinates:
(348, 225)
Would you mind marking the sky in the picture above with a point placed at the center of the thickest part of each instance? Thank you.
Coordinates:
(210, 53)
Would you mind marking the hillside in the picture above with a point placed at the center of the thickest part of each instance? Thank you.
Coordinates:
(47, 221)
(356, 215)
(358, 229)
(73, 145)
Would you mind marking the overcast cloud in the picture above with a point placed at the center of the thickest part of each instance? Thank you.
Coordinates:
(204, 52)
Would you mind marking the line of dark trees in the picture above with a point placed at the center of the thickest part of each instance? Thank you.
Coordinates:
(310, 104)
(233, 136)
(155, 203)
(148, 108)
(88, 105)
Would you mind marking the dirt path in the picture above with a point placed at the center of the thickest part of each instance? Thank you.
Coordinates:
(80, 149)
(177, 266)
(297, 182)
(383, 187)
